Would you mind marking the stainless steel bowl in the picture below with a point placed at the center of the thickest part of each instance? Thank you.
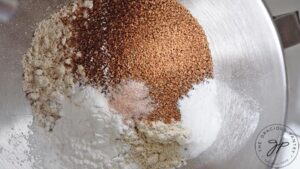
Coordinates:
(247, 55)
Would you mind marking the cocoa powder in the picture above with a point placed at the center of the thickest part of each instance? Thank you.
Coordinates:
(157, 42)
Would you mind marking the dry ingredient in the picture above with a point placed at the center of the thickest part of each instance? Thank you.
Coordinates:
(155, 42)
(131, 99)
(201, 114)
(87, 135)
(48, 70)
(110, 75)
(158, 145)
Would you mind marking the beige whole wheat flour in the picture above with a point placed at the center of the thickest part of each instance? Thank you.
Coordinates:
(48, 68)
(158, 145)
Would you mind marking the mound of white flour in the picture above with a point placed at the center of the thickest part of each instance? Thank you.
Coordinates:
(87, 136)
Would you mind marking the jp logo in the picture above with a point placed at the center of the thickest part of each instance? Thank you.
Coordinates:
(274, 150)
(277, 146)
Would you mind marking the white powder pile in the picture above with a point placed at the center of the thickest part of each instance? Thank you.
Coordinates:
(87, 136)
(201, 115)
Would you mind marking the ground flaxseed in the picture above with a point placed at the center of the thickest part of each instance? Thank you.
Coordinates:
(157, 42)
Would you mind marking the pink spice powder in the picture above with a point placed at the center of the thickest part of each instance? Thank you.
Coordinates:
(131, 99)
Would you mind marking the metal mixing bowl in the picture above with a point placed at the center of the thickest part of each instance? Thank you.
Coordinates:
(244, 44)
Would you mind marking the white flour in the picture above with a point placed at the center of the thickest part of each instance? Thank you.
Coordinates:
(87, 136)
(91, 135)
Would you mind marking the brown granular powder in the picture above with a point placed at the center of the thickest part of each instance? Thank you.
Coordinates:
(157, 42)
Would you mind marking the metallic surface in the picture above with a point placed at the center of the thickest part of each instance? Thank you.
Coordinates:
(7, 9)
(288, 26)
(243, 41)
